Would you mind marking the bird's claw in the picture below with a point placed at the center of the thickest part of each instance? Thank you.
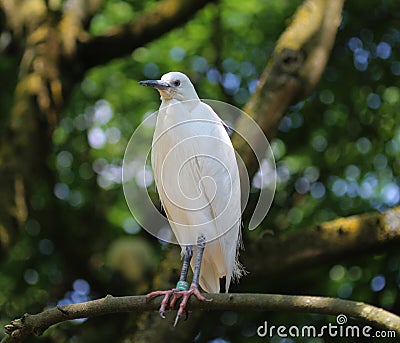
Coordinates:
(179, 314)
(176, 320)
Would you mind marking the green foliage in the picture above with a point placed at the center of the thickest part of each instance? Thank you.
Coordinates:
(337, 154)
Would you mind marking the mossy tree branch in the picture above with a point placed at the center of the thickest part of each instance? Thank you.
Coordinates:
(331, 241)
(120, 41)
(18, 330)
(296, 65)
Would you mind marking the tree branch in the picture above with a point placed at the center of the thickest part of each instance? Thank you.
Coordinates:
(330, 241)
(121, 40)
(20, 329)
(296, 66)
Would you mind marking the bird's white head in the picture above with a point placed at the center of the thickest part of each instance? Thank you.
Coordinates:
(173, 85)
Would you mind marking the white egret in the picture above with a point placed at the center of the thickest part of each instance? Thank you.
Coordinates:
(197, 178)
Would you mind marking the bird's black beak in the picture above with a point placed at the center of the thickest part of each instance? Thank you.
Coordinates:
(157, 84)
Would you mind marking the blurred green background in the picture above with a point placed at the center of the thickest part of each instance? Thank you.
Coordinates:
(337, 154)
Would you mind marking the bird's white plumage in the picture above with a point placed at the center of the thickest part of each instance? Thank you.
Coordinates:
(197, 179)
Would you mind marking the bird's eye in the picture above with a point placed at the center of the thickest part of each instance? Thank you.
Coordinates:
(177, 83)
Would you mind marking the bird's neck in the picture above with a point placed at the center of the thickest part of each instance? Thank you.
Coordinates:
(189, 104)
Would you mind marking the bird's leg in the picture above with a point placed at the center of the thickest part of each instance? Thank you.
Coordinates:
(182, 284)
(185, 267)
(201, 244)
(194, 287)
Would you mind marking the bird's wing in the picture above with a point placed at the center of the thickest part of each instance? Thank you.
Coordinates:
(227, 128)
(223, 170)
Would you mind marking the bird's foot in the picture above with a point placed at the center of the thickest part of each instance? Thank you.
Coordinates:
(185, 295)
(177, 293)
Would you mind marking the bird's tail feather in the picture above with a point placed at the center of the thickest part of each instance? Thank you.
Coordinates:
(209, 278)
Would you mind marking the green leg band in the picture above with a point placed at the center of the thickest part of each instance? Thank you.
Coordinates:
(182, 286)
